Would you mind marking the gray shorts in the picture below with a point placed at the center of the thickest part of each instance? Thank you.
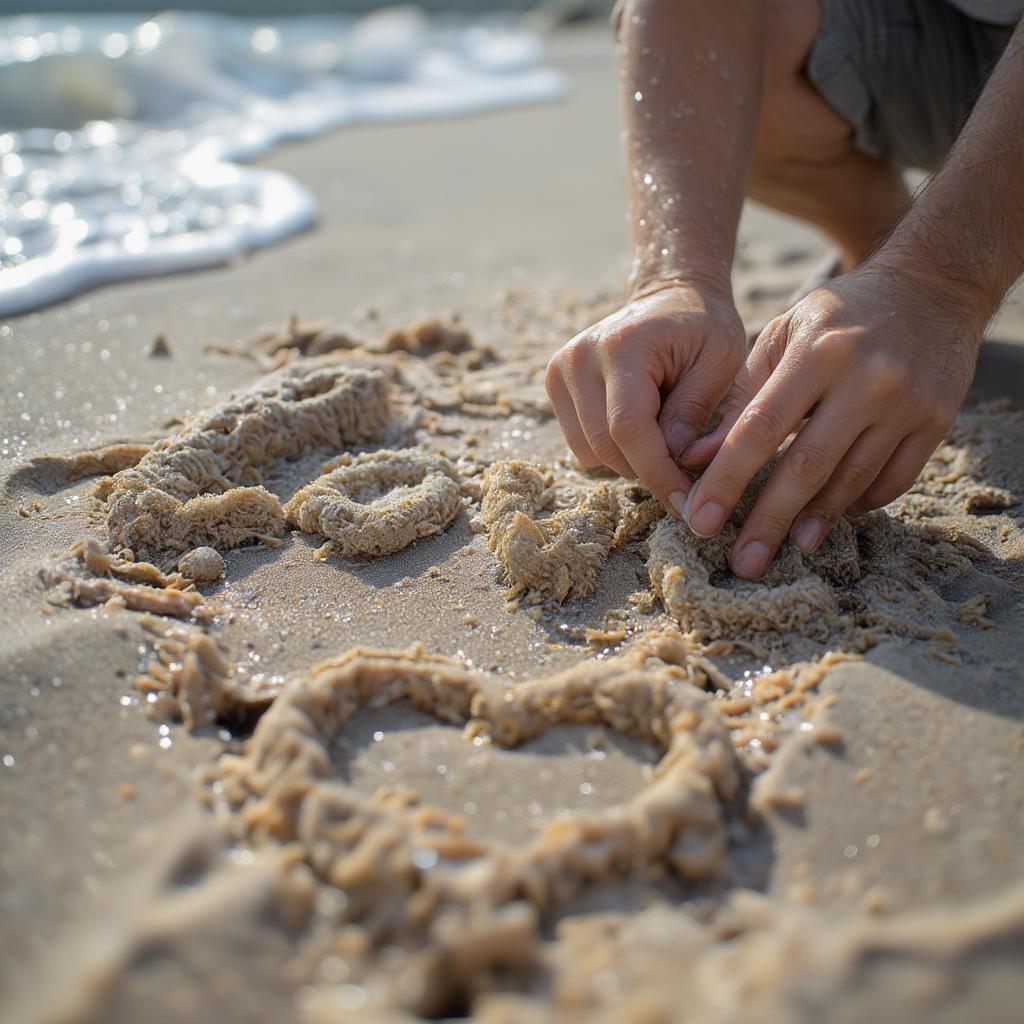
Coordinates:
(904, 73)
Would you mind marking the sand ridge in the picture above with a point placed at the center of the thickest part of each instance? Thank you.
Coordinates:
(379, 502)
(202, 486)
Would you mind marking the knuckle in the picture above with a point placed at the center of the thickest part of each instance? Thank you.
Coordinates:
(614, 344)
(692, 409)
(772, 342)
(853, 480)
(832, 348)
(553, 373)
(770, 524)
(887, 374)
(624, 427)
(573, 355)
(603, 446)
(808, 464)
(762, 424)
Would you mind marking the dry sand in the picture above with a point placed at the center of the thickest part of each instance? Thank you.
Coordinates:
(625, 824)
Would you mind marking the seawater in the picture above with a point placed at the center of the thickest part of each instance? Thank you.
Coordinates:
(123, 140)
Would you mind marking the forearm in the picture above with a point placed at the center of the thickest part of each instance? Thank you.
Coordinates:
(690, 83)
(964, 236)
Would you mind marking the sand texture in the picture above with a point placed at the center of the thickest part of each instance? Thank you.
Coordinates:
(334, 690)
(379, 502)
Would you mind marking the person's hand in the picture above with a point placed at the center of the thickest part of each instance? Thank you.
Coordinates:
(878, 363)
(634, 390)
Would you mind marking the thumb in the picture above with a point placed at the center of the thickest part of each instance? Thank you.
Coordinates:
(749, 381)
(699, 453)
(687, 408)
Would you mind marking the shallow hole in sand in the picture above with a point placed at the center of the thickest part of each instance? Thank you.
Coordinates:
(505, 795)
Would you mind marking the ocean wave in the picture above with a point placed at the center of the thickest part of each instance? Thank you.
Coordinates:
(122, 141)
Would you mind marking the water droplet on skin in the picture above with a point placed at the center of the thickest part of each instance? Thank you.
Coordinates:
(850, 852)
(638, 96)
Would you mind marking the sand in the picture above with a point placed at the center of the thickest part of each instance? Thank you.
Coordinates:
(223, 795)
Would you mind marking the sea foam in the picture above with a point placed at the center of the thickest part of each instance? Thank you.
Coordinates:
(121, 140)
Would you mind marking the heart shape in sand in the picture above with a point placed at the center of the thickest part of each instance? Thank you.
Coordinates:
(408, 871)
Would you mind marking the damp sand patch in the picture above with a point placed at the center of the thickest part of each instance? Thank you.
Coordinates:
(504, 795)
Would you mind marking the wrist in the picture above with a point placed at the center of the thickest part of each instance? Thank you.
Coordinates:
(910, 289)
(709, 289)
(685, 297)
(966, 297)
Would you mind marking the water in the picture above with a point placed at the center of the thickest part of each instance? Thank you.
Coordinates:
(121, 139)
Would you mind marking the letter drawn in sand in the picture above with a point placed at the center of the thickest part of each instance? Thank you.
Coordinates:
(797, 593)
(202, 486)
(554, 559)
(379, 502)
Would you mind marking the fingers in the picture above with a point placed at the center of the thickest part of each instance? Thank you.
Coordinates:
(580, 390)
(633, 401)
(850, 480)
(753, 439)
(804, 470)
(759, 365)
(592, 409)
(899, 472)
(689, 405)
(565, 413)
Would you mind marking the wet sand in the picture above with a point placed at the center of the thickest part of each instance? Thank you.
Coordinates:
(871, 864)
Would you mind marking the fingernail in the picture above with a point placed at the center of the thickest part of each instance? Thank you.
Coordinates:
(751, 560)
(707, 519)
(694, 452)
(677, 499)
(689, 502)
(808, 533)
(677, 437)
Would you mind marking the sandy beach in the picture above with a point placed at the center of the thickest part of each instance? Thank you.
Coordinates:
(524, 752)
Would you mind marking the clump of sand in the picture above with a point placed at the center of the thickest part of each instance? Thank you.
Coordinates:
(202, 486)
(379, 502)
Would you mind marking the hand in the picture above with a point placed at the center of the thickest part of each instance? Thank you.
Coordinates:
(634, 390)
(878, 363)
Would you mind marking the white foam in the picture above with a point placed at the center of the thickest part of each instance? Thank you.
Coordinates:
(123, 141)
